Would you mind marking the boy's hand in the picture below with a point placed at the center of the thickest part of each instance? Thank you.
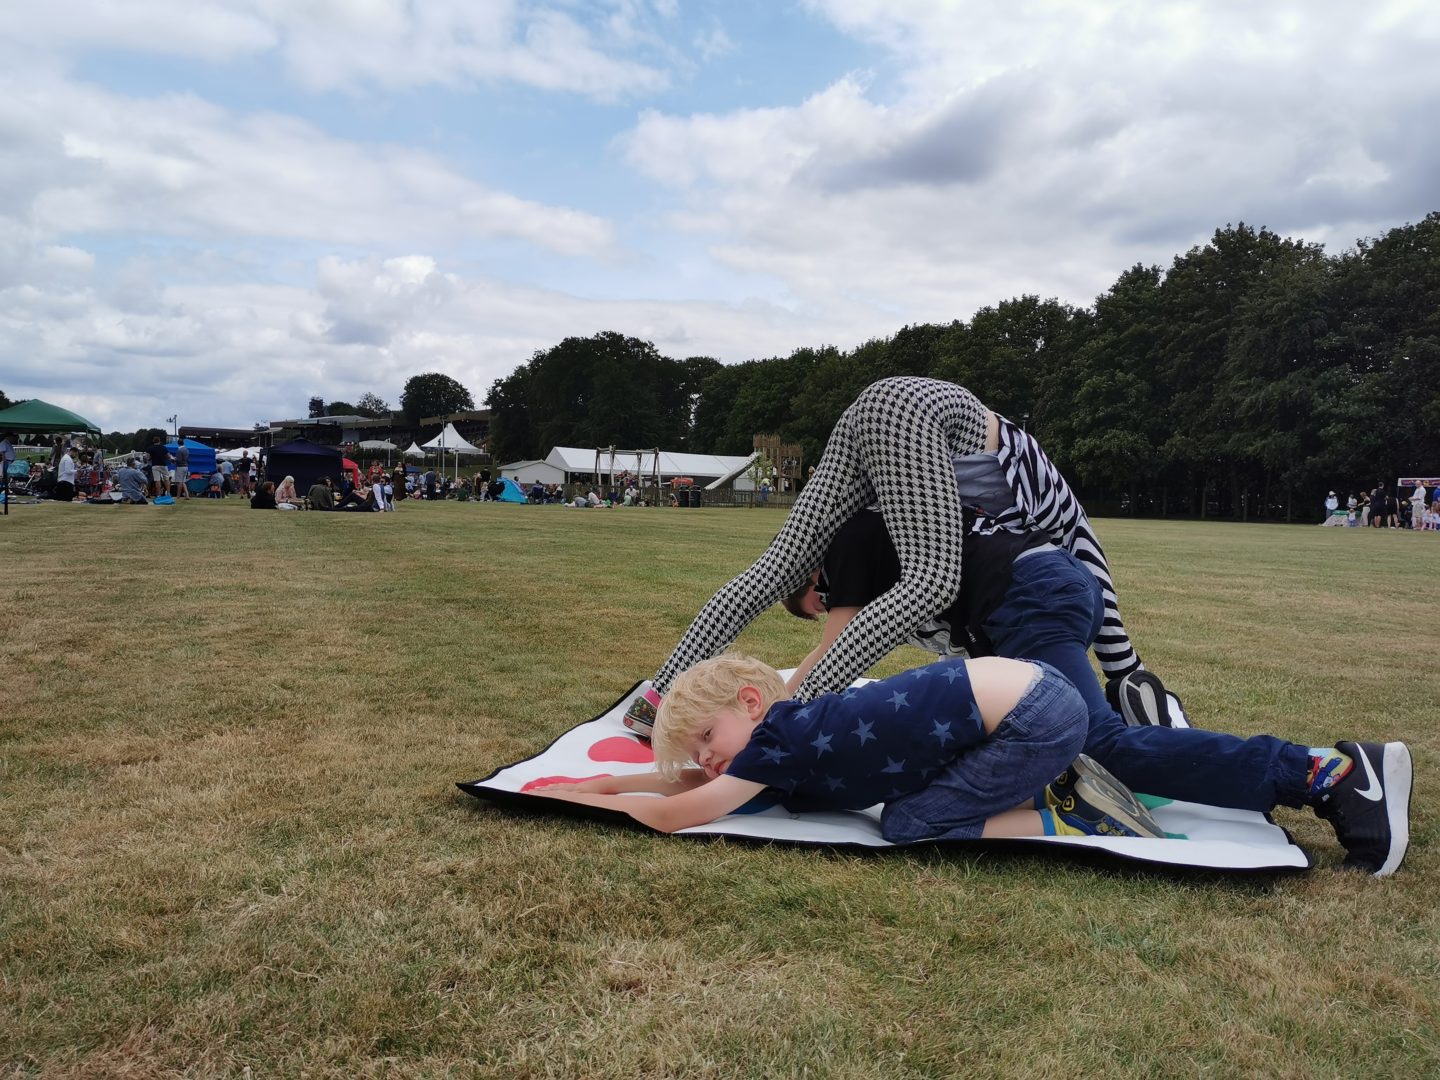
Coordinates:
(601, 785)
(640, 716)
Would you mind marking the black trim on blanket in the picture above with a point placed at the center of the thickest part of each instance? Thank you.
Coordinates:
(532, 804)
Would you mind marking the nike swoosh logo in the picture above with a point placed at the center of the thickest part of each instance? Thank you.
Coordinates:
(1374, 792)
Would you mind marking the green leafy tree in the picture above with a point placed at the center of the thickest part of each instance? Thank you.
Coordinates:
(372, 405)
(340, 408)
(433, 394)
(511, 434)
(317, 407)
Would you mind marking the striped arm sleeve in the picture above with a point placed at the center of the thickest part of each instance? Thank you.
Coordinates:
(1044, 500)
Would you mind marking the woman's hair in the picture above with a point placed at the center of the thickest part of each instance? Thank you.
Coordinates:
(701, 692)
(268, 486)
(795, 602)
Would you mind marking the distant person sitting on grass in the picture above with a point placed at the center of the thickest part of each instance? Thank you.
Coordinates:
(286, 497)
(321, 496)
(959, 750)
(351, 494)
(217, 485)
(264, 497)
(131, 482)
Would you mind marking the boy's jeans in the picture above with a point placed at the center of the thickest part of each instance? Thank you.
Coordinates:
(1052, 612)
(1035, 742)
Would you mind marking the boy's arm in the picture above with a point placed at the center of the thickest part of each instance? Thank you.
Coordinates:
(699, 806)
(615, 785)
(836, 621)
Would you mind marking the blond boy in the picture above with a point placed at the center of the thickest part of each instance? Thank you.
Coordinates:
(954, 750)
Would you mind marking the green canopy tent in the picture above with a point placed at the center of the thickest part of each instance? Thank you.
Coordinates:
(36, 417)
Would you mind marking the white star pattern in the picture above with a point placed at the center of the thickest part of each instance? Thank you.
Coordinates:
(942, 732)
(899, 700)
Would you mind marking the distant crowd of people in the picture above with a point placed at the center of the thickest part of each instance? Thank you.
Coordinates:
(1381, 508)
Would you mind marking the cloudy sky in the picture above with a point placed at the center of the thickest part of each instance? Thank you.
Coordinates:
(219, 208)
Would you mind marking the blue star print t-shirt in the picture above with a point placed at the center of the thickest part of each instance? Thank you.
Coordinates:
(867, 744)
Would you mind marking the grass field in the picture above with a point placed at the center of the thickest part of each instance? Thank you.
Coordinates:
(230, 841)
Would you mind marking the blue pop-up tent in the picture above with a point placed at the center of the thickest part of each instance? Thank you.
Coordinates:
(202, 457)
(511, 491)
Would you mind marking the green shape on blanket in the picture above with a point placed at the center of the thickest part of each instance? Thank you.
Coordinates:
(1150, 802)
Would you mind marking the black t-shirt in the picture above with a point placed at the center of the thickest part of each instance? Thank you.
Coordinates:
(861, 564)
(263, 500)
(159, 456)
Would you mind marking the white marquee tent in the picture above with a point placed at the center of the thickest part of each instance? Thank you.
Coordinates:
(702, 468)
(451, 441)
(239, 452)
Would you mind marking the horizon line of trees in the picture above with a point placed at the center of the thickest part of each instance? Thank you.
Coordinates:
(1253, 372)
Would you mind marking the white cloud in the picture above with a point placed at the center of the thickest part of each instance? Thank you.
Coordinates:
(231, 355)
(1043, 147)
(347, 45)
(89, 161)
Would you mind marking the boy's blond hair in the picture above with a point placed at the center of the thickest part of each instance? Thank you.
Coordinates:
(698, 694)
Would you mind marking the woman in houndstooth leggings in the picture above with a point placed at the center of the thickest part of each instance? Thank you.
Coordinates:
(897, 446)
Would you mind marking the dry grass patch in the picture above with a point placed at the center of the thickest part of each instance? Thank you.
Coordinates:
(230, 838)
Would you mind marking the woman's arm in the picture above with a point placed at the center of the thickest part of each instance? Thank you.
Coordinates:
(835, 621)
(699, 806)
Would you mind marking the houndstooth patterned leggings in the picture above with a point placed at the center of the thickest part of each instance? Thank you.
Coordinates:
(893, 446)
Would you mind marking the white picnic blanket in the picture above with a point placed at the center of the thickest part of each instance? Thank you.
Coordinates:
(1206, 837)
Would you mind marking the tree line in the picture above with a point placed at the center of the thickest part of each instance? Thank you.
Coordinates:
(1248, 378)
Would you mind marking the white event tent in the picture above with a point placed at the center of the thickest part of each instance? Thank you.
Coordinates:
(239, 452)
(450, 441)
(702, 468)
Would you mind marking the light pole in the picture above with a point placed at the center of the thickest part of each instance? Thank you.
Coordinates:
(173, 421)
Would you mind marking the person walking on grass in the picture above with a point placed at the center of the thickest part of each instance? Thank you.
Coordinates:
(960, 750)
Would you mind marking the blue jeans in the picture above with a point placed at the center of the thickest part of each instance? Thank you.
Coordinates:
(1052, 612)
(1029, 748)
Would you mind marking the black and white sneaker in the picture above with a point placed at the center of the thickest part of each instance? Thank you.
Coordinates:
(1370, 806)
(1140, 698)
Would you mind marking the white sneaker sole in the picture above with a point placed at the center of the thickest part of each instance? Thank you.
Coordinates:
(1398, 775)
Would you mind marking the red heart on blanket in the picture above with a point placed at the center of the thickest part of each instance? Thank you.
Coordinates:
(620, 748)
(546, 781)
